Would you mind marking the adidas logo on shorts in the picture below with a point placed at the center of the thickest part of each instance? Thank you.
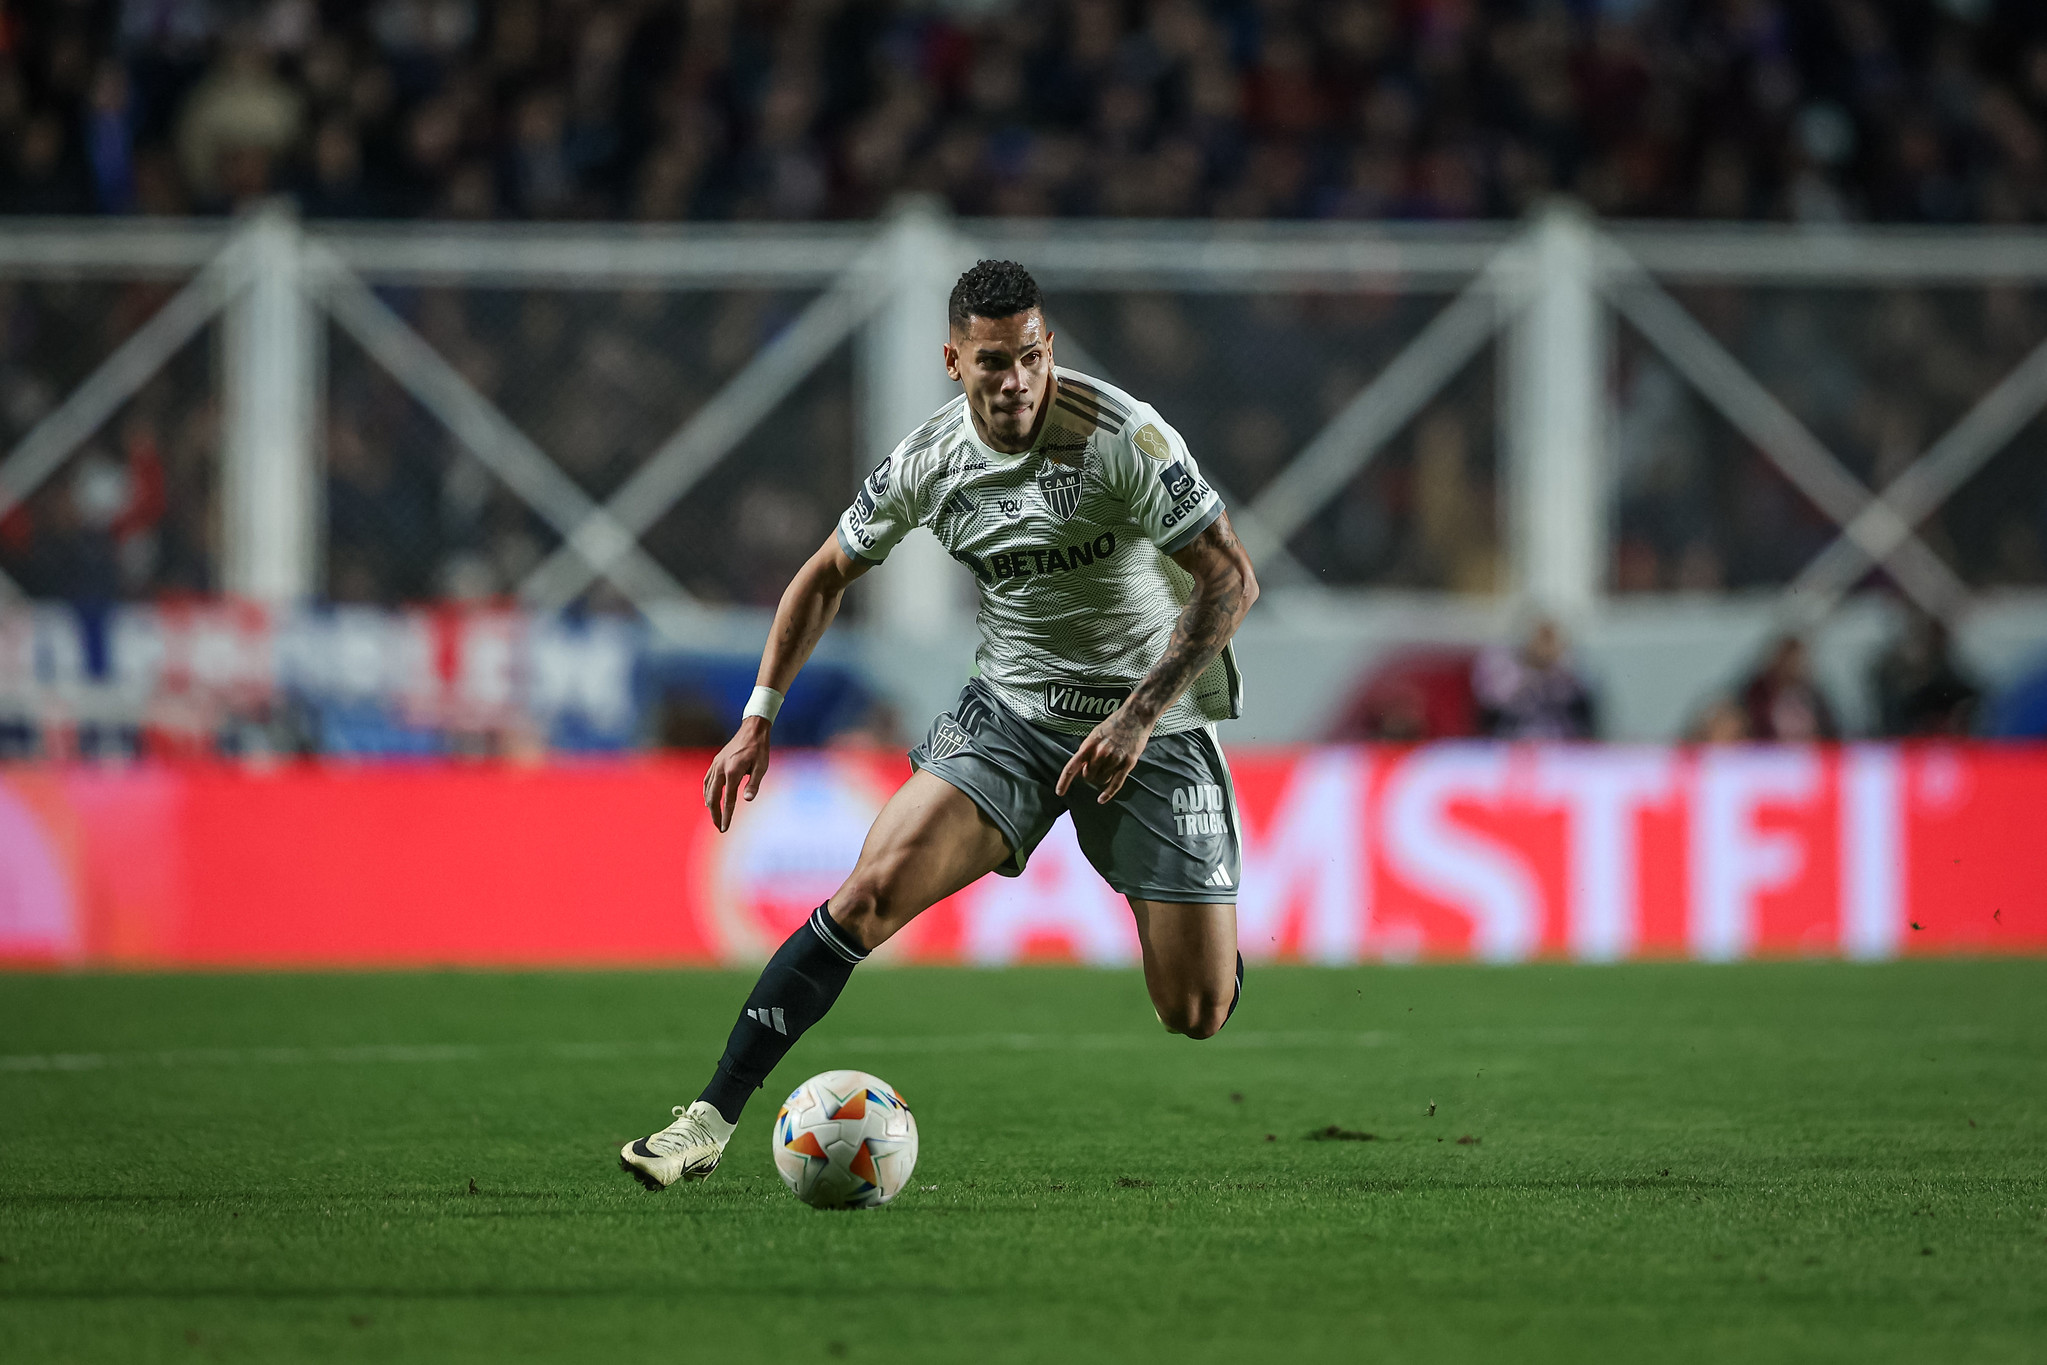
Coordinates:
(1220, 877)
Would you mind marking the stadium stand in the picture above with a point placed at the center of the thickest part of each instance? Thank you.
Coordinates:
(1914, 111)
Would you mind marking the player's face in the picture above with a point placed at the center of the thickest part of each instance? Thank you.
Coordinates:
(1005, 366)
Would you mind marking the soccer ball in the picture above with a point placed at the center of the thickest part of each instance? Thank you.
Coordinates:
(845, 1140)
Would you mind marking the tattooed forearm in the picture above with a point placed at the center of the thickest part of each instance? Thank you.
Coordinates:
(1204, 627)
(1224, 589)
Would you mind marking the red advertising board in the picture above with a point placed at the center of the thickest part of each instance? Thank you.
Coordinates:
(1489, 852)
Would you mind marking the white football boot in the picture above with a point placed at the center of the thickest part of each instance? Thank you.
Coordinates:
(687, 1149)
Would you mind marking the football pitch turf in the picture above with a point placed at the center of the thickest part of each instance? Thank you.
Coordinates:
(1781, 1161)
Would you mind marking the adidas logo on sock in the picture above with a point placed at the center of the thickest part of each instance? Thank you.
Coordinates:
(1220, 877)
(762, 1016)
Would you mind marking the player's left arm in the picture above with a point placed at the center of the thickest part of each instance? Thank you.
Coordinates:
(1224, 589)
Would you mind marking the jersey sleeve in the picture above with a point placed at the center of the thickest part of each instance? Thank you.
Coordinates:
(1162, 484)
(882, 513)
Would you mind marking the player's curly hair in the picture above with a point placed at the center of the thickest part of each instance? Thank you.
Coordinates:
(993, 289)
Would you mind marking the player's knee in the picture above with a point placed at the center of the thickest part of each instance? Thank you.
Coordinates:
(1196, 1016)
(862, 907)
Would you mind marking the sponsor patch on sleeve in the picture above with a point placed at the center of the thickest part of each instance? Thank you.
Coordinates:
(1179, 483)
(1153, 442)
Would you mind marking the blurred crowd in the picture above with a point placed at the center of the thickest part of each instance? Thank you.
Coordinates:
(1534, 690)
(1893, 110)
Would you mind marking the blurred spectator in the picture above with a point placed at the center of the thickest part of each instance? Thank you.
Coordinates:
(2022, 708)
(334, 188)
(879, 728)
(1418, 694)
(110, 140)
(45, 176)
(686, 720)
(237, 124)
(1919, 690)
(1723, 721)
(1781, 703)
(1532, 692)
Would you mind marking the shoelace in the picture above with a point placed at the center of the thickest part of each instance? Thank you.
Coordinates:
(677, 1138)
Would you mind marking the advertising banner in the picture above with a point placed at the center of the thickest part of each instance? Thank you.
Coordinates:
(1496, 853)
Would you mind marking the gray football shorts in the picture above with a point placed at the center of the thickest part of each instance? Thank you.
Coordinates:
(1170, 834)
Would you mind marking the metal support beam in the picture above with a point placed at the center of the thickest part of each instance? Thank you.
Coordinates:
(683, 460)
(1783, 439)
(489, 435)
(270, 464)
(1556, 403)
(1351, 438)
(1927, 482)
(922, 595)
(38, 454)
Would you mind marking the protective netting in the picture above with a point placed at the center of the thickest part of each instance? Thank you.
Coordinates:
(129, 513)
(597, 381)
(1250, 379)
(1877, 377)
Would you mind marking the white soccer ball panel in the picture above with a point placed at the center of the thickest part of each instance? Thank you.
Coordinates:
(845, 1139)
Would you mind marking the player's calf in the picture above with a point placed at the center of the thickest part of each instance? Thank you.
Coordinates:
(796, 989)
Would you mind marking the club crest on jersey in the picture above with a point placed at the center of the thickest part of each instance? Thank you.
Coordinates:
(947, 739)
(1060, 487)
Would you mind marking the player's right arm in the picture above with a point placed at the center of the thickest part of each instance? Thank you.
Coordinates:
(882, 513)
(808, 605)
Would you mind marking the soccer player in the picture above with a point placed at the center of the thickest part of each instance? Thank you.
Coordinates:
(1110, 586)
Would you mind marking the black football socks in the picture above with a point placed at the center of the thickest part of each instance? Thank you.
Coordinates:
(795, 990)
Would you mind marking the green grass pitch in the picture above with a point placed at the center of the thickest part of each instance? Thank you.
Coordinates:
(1788, 1161)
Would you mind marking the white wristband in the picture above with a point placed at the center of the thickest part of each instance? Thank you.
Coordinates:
(764, 702)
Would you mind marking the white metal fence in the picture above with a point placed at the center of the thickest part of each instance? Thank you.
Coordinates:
(1572, 312)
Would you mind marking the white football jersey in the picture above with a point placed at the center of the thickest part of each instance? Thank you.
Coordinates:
(1069, 543)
